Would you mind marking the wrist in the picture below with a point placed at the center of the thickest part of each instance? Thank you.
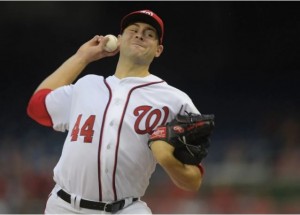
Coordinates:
(162, 151)
(81, 59)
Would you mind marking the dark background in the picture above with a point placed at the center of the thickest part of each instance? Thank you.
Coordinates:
(238, 60)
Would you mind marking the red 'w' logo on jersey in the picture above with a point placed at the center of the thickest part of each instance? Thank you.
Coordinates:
(148, 118)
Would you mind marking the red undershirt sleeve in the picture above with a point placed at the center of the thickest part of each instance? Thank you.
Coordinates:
(37, 110)
(201, 168)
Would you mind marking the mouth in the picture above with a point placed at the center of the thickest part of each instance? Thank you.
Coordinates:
(138, 44)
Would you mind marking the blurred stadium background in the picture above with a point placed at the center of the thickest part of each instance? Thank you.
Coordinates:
(239, 60)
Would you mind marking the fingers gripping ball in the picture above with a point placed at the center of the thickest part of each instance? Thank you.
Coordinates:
(112, 43)
(189, 134)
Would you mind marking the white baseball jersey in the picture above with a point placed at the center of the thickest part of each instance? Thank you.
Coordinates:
(105, 156)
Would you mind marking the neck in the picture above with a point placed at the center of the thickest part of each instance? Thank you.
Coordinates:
(124, 70)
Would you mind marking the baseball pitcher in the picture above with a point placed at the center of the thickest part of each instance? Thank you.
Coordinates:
(119, 127)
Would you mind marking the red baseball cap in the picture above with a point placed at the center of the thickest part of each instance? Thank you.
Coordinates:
(146, 16)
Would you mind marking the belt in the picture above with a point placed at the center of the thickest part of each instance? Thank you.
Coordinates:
(107, 207)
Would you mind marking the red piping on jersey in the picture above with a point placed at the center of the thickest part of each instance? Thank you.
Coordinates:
(119, 133)
(100, 141)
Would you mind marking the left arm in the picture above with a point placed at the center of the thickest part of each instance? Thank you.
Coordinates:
(184, 176)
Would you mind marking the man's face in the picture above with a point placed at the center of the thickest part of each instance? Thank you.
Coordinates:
(141, 40)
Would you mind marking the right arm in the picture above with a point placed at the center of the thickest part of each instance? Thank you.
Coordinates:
(66, 74)
(90, 51)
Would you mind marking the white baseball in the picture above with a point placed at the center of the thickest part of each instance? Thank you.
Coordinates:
(112, 43)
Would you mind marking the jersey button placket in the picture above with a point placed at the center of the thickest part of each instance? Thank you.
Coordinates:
(118, 101)
(115, 113)
(111, 123)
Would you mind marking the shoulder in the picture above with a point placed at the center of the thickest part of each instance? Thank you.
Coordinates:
(172, 89)
(89, 79)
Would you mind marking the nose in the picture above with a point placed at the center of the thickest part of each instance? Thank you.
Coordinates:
(139, 35)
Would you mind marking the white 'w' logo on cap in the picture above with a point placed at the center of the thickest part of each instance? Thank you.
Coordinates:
(147, 12)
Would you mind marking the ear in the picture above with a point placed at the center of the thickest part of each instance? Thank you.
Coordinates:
(119, 38)
(159, 50)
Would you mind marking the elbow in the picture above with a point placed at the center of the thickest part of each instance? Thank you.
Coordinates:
(42, 119)
(37, 110)
(191, 187)
(196, 186)
(191, 183)
(196, 177)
